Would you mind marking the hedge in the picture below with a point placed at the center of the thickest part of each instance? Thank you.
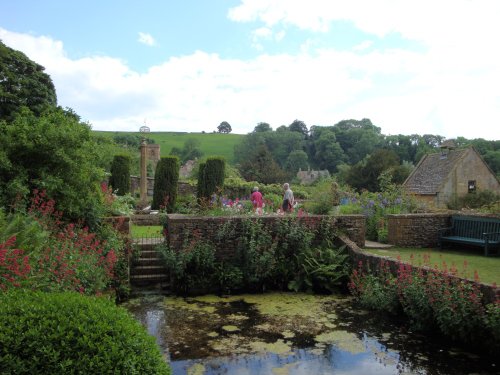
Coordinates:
(67, 333)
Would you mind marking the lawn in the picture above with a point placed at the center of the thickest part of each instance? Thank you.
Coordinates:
(138, 231)
(488, 268)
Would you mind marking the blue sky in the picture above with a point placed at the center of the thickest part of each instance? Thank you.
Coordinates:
(412, 67)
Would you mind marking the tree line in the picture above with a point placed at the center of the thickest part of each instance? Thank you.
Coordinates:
(354, 150)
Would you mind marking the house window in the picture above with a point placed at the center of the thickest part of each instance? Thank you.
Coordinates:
(471, 186)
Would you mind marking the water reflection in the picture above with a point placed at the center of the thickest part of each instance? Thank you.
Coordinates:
(292, 334)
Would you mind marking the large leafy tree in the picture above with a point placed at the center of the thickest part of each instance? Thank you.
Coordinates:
(23, 83)
(261, 167)
(296, 160)
(357, 138)
(190, 151)
(52, 152)
(224, 127)
(262, 127)
(327, 151)
(364, 175)
(299, 127)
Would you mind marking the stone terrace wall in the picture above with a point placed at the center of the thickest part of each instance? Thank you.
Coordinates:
(416, 230)
(120, 223)
(145, 219)
(180, 226)
(372, 262)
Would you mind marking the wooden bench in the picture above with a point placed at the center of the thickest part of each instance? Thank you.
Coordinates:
(472, 230)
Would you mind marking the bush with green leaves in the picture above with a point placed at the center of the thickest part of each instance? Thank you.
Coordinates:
(321, 269)
(432, 299)
(52, 255)
(478, 200)
(193, 268)
(67, 333)
(165, 185)
(54, 152)
(277, 256)
(120, 175)
(323, 198)
(375, 206)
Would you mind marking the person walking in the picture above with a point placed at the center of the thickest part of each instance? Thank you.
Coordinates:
(288, 200)
(257, 201)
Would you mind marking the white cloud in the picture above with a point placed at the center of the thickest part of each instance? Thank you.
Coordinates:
(265, 33)
(363, 45)
(438, 91)
(146, 39)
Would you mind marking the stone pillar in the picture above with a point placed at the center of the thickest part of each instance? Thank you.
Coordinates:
(144, 177)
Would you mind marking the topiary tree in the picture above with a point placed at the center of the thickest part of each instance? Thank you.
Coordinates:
(200, 192)
(67, 333)
(211, 176)
(120, 174)
(165, 186)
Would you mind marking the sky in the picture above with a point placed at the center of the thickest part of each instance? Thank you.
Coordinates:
(411, 67)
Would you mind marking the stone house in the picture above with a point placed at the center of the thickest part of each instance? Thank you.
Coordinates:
(442, 176)
(308, 177)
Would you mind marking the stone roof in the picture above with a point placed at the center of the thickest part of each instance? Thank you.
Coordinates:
(432, 171)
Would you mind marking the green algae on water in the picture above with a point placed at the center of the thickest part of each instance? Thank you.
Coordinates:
(181, 303)
(277, 347)
(230, 328)
(343, 340)
(196, 369)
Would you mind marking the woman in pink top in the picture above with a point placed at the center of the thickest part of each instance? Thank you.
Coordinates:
(256, 199)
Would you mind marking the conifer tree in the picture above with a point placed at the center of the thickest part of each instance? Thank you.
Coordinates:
(165, 185)
(120, 174)
(211, 177)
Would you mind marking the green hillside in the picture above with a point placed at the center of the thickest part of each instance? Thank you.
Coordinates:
(210, 143)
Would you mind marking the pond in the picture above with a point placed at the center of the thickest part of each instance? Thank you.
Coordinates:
(285, 333)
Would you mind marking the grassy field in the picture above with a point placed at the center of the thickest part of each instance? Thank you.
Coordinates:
(488, 268)
(211, 144)
(138, 231)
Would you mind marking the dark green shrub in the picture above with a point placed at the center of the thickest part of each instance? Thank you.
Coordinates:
(474, 200)
(120, 174)
(321, 269)
(67, 333)
(193, 269)
(165, 187)
(211, 177)
(60, 156)
(200, 192)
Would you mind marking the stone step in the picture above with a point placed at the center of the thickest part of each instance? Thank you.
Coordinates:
(141, 279)
(149, 254)
(148, 270)
(148, 241)
(147, 262)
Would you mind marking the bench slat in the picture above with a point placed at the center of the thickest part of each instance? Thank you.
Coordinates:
(471, 230)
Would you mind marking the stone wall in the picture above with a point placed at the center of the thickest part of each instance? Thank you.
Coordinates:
(372, 262)
(181, 226)
(416, 230)
(120, 223)
(135, 182)
(145, 220)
